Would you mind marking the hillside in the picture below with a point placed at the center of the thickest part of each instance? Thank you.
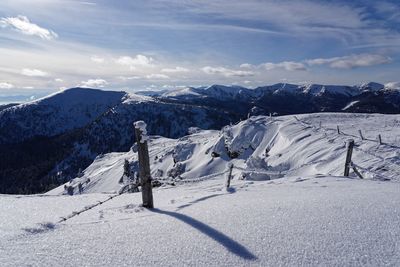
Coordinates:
(262, 148)
(55, 114)
(24, 170)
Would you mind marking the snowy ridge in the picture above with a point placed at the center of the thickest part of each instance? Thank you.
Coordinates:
(232, 92)
(188, 91)
(262, 148)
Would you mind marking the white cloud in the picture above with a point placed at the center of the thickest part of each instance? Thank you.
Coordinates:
(137, 61)
(34, 73)
(58, 80)
(350, 62)
(175, 70)
(125, 78)
(157, 76)
(4, 85)
(97, 59)
(227, 72)
(246, 66)
(88, 3)
(29, 87)
(23, 25)
(286, 65)
(93, 83)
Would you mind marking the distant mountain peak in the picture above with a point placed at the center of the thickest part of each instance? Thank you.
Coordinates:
(371, 86)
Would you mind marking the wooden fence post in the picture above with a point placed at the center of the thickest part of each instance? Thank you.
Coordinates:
(379, 139)
(144, 164)
(356, 171)
(361, 135)
(338, 130)
(350, 145)
(320, 124)
(228, 179)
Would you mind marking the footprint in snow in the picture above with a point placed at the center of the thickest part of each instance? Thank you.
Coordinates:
(41, 228)
(300, 180)
(130, 208)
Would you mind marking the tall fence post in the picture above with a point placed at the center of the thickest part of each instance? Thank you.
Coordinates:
(361, 135)
(350, 145)
(338, 130)
(144, 164)
(379, 139)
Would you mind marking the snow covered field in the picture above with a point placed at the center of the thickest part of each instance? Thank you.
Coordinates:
(289, 221)
(312, 216)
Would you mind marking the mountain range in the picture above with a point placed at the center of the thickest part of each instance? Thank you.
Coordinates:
(47, 141)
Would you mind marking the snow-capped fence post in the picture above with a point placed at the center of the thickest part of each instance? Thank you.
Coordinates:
(361, 135)
(229, 176)
(144, 164)
(320, 124)
(379, 139)
(350, 145)
(338, 130)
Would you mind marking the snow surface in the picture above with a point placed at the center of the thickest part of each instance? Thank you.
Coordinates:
(352, 103)
(292, 221)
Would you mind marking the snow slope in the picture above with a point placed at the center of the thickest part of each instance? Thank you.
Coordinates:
(294, 221)
(295, 145)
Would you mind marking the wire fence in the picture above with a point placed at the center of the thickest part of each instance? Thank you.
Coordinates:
(395, 166)
(87, 208)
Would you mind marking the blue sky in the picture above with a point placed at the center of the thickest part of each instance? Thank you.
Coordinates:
(48, 45)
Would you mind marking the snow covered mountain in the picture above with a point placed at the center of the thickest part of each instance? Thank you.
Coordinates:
(232, 92)
(261, 148)
(72, 127)
(285, 99)
(69, 134)
(55, 114)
